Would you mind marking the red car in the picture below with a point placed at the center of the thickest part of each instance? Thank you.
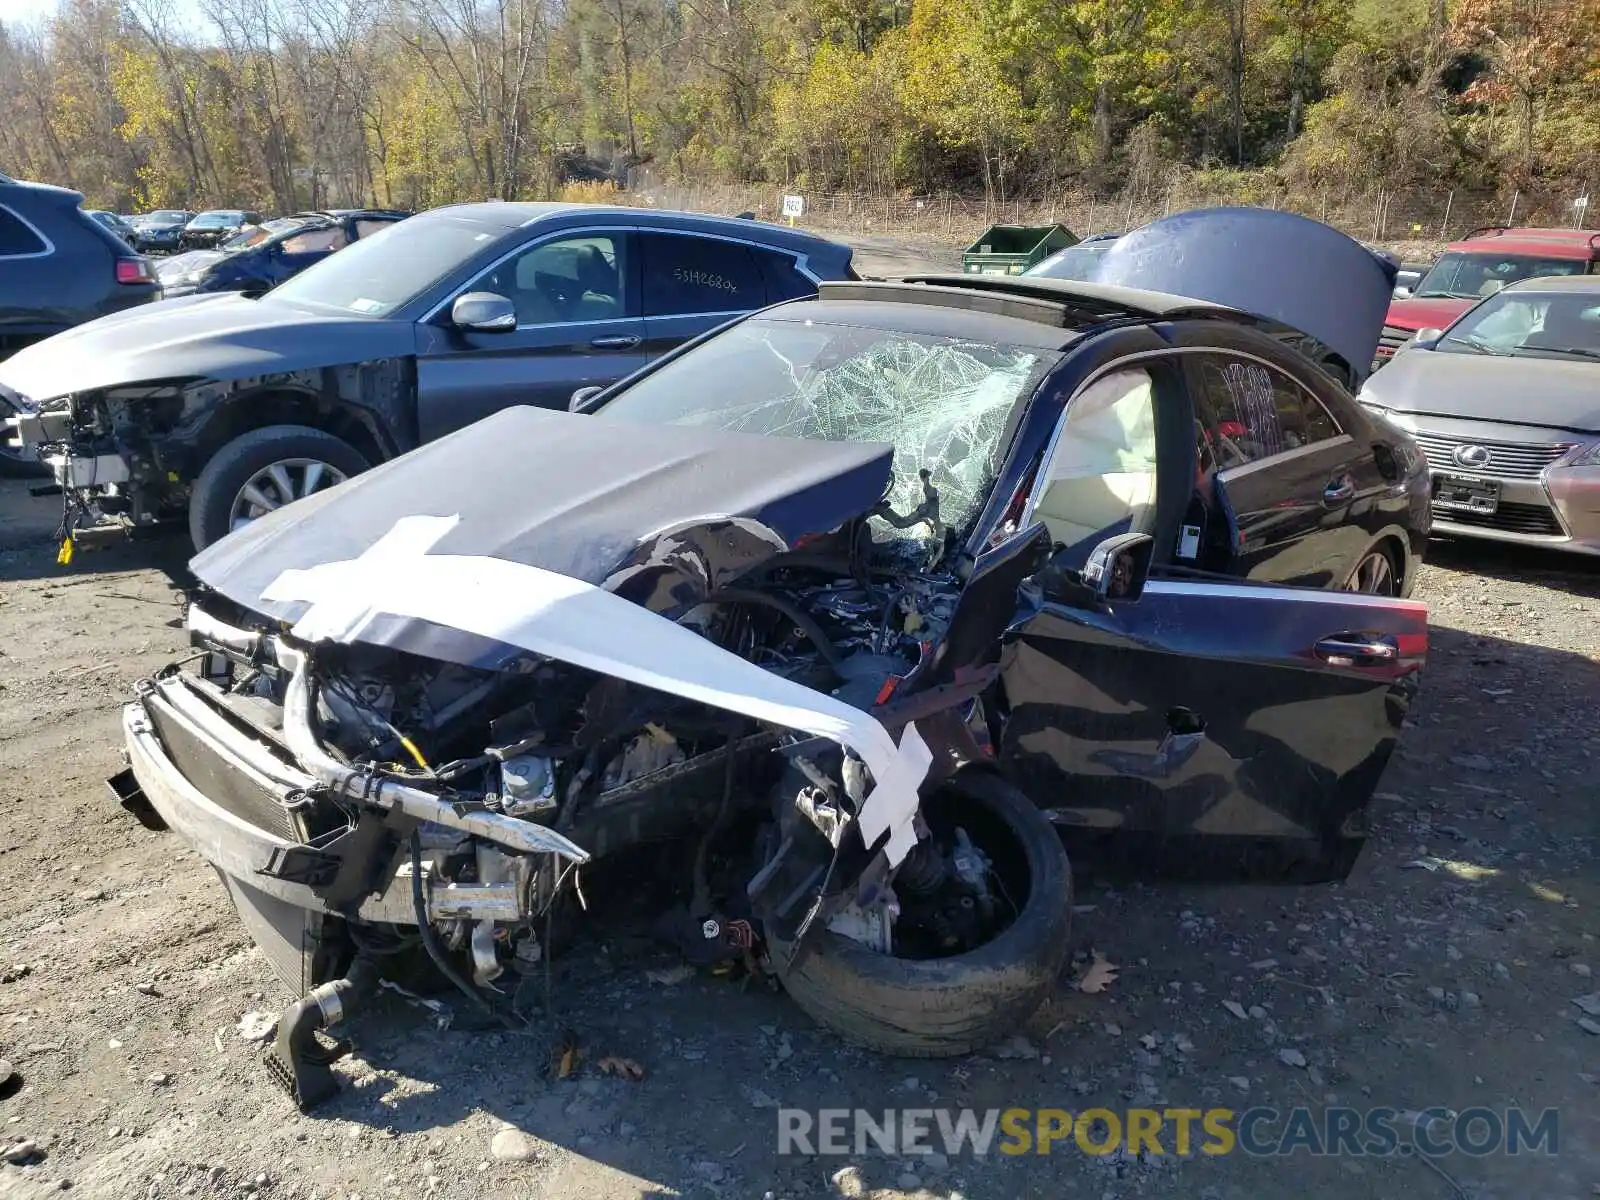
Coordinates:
(1479, 265)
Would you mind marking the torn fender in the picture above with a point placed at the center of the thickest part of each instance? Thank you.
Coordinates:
(554, 615)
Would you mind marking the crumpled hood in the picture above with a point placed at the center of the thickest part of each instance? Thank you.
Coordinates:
(1520, 389)
(1435, 312)
(1275, 265)
(199, 337)
(577, 495)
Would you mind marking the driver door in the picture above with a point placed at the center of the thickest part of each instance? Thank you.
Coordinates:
(1203, 705)
(576, 297)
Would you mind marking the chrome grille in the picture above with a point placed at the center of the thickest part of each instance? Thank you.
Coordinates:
(1507, 460)
(1392, 336)
(1509, 517)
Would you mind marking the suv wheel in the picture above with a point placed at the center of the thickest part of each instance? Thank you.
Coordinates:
(263, 470)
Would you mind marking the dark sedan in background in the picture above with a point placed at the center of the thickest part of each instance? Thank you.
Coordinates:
(1505, 404)
(261, 257)
(225, 407)
(215, 226)
(159, 232)
(118, 225)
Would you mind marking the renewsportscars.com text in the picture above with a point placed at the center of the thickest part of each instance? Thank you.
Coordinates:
(1260, 1131)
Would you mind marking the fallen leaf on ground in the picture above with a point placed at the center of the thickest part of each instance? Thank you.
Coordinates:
(622, 1068)
(1100, 975)
(670, 975)
(565, 1056)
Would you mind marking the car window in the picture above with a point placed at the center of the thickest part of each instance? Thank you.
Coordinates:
(1100, 478)
(784, 278)
(17, 238)
(1460, 275)
(1076, 262)
(1518, 322)
(1246, 411)
(687, 274)
(581, 278)
(366, 228)
(312, 240)
(378, 274)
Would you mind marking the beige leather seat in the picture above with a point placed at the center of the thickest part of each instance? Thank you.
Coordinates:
(1102, 473)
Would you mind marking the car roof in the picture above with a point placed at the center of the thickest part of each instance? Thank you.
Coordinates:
(513, 214)
(1017, 309)
(23, 188)
(1579, 284)
(1551, 243)
(1075, 299)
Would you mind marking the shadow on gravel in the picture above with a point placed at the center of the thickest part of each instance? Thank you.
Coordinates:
(1575, 574)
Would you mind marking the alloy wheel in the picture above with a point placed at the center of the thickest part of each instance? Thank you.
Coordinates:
(281, 483)
(1374, 575)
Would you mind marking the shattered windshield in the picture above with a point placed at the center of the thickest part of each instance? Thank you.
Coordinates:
(941, 402)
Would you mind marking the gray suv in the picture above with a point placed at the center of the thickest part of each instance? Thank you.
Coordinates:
(222, 408)
(59, 267)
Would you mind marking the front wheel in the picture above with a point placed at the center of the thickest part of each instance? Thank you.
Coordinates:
(263, 470)
(940, 1007)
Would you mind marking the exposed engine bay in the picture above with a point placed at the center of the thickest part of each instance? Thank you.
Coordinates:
(452, 808)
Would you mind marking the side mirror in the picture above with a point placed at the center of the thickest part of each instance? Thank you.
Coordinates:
(582, 396)
(1119, 566)
(483, 312)
(1426, 339)
(1402, 293)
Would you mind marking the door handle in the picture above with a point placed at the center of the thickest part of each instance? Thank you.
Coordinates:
(1356, 650)
(620, 342)
(1338, 490)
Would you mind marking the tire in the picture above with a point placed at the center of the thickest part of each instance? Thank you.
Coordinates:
(943, 1007)
(212, 503)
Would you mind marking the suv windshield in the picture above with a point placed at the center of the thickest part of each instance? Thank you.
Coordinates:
(387, 269)
(217, 220)
(164, 217)
(1530, 324)
(1462, 276)
(942, 403)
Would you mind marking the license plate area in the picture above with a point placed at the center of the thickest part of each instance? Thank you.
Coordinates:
(1457, 493)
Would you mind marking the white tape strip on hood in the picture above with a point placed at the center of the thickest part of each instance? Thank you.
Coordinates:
(576, 622)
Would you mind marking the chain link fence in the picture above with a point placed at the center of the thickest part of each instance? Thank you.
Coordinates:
(1413, 224)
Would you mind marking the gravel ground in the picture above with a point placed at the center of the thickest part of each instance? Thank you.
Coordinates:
(1444, 972)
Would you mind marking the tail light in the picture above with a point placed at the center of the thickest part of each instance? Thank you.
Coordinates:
(134, 270)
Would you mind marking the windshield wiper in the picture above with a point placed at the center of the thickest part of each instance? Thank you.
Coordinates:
(1480, 347)
(1585, 351)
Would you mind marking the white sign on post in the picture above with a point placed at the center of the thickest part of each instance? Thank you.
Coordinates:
(794, 206)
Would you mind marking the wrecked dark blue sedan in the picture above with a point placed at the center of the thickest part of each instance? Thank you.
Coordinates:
(859, 601)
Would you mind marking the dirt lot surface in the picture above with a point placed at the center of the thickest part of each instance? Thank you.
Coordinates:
(1443, 973)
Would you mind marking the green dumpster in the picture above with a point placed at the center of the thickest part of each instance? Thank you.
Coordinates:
(1012, 249)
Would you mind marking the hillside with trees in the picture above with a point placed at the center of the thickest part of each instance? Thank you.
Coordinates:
(284, 104)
